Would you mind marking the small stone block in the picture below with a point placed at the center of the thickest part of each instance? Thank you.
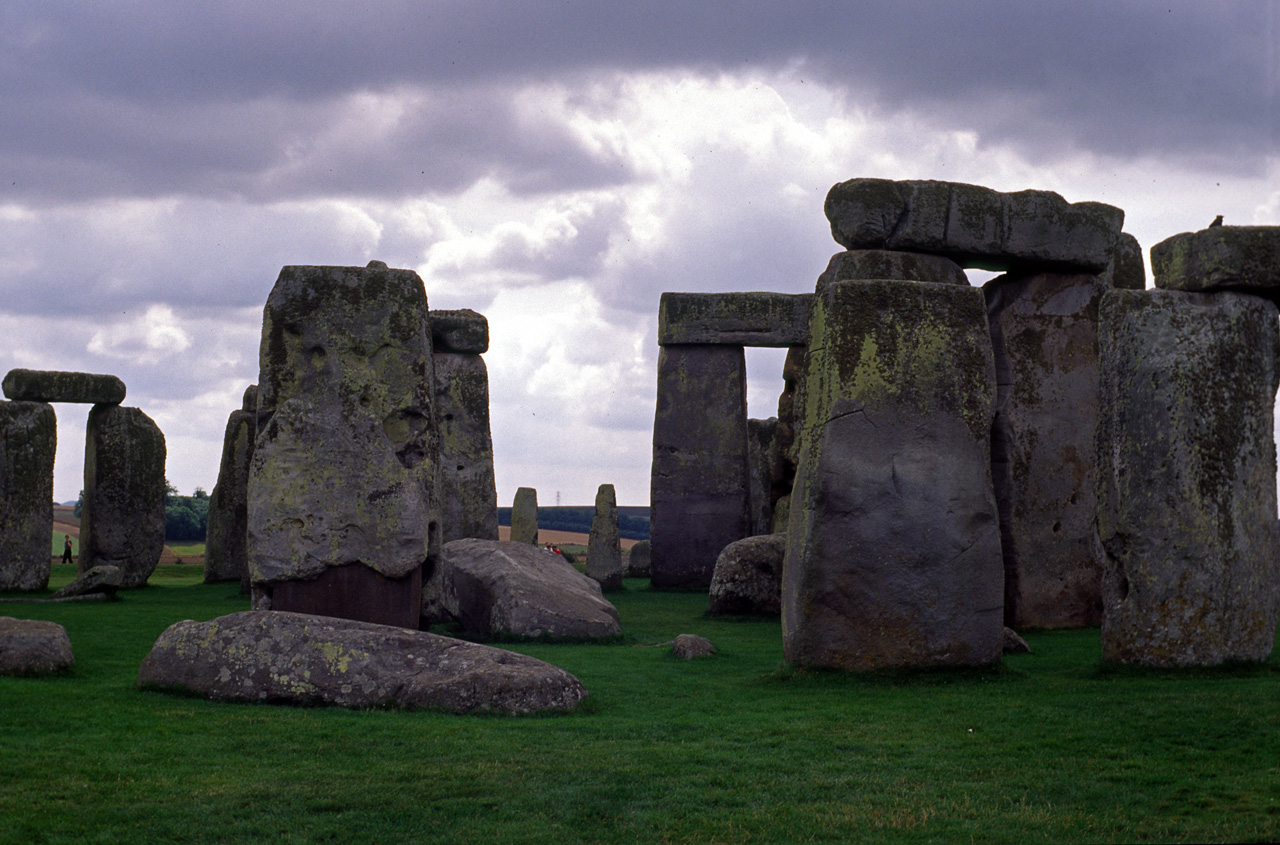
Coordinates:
(463, 330)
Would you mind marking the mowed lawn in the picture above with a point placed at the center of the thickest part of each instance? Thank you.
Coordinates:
(733, 748)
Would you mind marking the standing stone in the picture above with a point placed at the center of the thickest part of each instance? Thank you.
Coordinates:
(468, 493)
(342, 516)
(786, 440)
(122, 518)
(638, 560)
(524, 516)
(28, 439)
(761, 446)
(225, 557)
(1044, 330)
(699, 489)
(1127, 270)
(893, 546)
(1186, 479)
(604, 544)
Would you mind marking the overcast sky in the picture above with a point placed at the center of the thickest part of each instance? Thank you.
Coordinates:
(556, 166)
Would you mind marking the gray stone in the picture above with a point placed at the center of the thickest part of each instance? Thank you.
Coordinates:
(294, 658)
(345, 469)
(226, 556)
(855, 264)
(893, 547)
(468, 493)
(974, 226)
(54, 386)
(33, 647)
(748, 577)
(1127, 270)
(1240, 258)
(1014, 644)
(122, 518)
(1044, 331)
(638, 560)
(786, 442)
(761, 446)
(28, 439)
(781, 515)
(604, 544)
(699, 488)
(689, 646)
(463, 331)
(744, 319)
(524, 516)
(250, 400)
(515, 589)
(99, 579)
(1186, 487)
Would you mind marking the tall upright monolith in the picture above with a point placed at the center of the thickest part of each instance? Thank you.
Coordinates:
(225, 557)
(524, 516)
(28, 439)
(604, 543)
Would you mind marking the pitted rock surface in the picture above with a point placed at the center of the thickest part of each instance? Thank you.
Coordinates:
(56, 386)
(33, 647)
(689, 646)
(28, 438)
(1240, 258)
(294, 658)
(748, 576)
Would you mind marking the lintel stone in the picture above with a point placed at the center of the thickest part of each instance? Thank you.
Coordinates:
(55, 386)
(1242, 258)
(734, 319)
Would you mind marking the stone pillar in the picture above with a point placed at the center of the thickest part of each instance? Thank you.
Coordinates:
(342, 513)
(524, 516)
(893, 545)
(604, 544)
(699, 489)
(122, 518)
(468, 493)
(761, 459)
(1044, 331)
(28, 439)
(225, 557)
(1186, 479)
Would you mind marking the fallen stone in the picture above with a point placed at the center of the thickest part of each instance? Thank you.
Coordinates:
(468, 493)
(1014, 644)
(855, 264)
(122, 518)
(226, 535)
(1239, 258)
(638, 560)
(33, 647)
(734, 319)
(524, 516)
(893, 546)
(462, 331)
(294, 658)
(748, 577)
(28, 438)
(604, 543)
(54, 386)
(507, 588)
(974, 226)
(689, 646)
(99, 579)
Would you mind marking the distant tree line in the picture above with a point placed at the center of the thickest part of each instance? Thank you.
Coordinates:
(186, 518)
(578, 521)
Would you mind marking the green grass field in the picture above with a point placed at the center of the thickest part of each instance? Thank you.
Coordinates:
(732, 748)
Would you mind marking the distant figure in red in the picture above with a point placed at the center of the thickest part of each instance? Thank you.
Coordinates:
(66, 549)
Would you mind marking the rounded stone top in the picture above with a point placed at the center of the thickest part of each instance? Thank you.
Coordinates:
(1245, 258)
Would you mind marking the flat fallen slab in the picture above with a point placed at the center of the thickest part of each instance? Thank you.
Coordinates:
(734, 319)
(1241, 258)
(57, 386)
(300, 659)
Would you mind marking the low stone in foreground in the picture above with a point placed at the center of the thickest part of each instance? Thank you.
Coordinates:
(104, 580)
(748, 576)
(33, 647)
(295, 658)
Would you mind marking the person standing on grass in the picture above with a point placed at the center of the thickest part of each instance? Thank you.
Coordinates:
(66, 549)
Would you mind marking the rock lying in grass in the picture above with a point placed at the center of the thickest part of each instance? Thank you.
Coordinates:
(104, 579)
(1014, 644)
(748, 576)
(296, 658)
(33, 647)
(689, 646)
(493, 587)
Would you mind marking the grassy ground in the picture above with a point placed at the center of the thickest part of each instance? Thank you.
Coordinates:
(733, 748)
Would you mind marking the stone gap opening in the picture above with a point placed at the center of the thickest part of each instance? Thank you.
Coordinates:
(764, 380)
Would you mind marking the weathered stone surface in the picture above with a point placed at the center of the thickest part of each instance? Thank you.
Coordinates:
(295, 658)
(1127, 271)
(781, 515)
(975, 226)
(604, 543)
(33, 647)
(516, 589)
(699, 489)
(761, 448)
(100, 579)
(1240, 258)
(748, 576)
(893, 547)
(225, 556)
(28, 439)
(743, 319)
(468, 493)
(55, 386)
(855, 264)
(1044, 332)
(524, 516)
(1186, 475)
(1014, 644)
(786, 439)
(346, 465)
(122, 518)
(689, 646)
(638, 560)
(462, 331)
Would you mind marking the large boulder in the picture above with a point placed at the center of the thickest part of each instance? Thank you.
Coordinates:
(103, 580)
(122, 518)
(225, 556)
(748, 576)
(468, 494)
(507, 588)
(28, 438)
(33, 647)
(893, 545)
(295, 658)
(1186, 478)
(604, 543)
(1240, 258)
(55, 386)
(974, 226)
(524, 516)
